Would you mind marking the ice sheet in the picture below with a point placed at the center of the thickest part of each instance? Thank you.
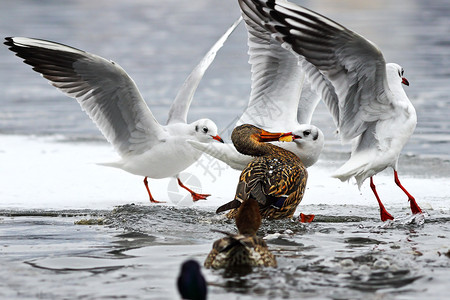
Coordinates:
(52, 173)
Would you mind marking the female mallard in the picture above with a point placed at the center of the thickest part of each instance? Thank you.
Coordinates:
(275, 178)
(244, 249)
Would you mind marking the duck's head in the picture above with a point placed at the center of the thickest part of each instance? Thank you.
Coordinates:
(249, 139)
(205, 131)
(251, 132)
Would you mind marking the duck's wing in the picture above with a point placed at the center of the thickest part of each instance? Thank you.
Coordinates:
(102, 88)
(275, 180)
(268, 181)
(354, 65)
(180, 106)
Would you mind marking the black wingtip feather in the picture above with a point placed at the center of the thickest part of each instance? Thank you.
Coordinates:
(230, 205)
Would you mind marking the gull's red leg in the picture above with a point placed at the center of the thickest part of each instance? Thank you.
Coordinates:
(305, 218)
(195, 196)
(383, 212)
(415, 209)
(152, 200)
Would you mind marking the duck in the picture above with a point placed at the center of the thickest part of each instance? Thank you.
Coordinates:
(363, 93)
(112, 100)
(245, 249)
(276, 178)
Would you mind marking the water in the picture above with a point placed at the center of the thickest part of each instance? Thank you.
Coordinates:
(136, 250)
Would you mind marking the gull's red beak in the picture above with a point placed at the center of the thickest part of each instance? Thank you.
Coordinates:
(217, 138)
(405, 81)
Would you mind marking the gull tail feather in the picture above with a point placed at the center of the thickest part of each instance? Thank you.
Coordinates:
(353, 168)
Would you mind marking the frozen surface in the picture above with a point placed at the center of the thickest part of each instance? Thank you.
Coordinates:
(52, 173)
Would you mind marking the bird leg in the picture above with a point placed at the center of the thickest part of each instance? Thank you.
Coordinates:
(195, 196)
(152, 200)
(305, 218)
(383, 212)
(415, 209)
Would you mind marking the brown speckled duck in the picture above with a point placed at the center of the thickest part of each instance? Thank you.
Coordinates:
(275, 178)
(244, 249)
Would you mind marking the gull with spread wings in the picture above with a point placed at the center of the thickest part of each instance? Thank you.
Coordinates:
(363, 93)
(112, 100)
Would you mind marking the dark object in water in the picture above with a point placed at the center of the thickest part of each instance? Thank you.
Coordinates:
(191, 283)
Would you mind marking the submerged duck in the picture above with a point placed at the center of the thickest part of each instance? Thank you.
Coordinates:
(244, 249)
(275, 178)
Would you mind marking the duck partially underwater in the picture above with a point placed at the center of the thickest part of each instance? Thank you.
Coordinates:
(244, 249)
(275, 178)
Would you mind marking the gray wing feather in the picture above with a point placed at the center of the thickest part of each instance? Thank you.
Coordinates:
(103, 89)
(282, 80)
(277, 79)
(180, 106)
(354, 66)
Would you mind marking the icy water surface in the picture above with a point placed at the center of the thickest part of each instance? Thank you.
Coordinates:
(137, 252)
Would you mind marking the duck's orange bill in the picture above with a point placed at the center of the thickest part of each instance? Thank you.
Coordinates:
(276, 136)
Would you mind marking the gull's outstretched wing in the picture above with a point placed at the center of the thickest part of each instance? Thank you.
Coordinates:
(282, 90)
(103, 89)
(355, 66)
(225, 152)
(277, 80)
(180, 106)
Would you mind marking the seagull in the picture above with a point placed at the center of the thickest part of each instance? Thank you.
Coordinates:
(112, 100)
(282, 99)
(363, 93)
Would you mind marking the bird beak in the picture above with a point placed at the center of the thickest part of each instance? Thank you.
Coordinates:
(277, 137)
(405, 81)
(217, 138)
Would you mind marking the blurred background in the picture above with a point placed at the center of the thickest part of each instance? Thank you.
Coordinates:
(159, 43)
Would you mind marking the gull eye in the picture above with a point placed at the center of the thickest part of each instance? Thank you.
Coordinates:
(196, 128)
(205, 129)
(306, 132)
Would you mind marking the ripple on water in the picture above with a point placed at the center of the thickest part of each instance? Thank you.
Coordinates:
(141, 247)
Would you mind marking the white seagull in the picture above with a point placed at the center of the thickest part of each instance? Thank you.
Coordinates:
(281, 100)
(367, 102)
(112, 100)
